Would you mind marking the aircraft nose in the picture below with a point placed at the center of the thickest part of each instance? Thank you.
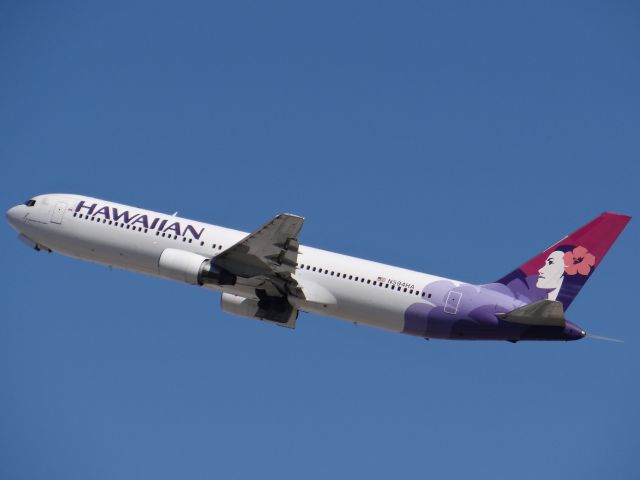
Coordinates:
(13, 216)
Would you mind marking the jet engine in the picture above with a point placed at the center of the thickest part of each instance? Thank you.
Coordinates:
(273, 309)
(192, 268)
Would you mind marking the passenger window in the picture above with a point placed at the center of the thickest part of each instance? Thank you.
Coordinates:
(314, 269)
(386, 285)
(350, 277)
(368, 282)
(190, 240)
(202, 244)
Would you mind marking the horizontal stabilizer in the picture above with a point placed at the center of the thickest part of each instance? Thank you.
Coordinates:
(548, 313)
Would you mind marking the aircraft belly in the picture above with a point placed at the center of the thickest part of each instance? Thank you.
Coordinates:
(375, 312)
(361, 304)
(93, 243)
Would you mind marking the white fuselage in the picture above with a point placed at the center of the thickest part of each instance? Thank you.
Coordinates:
(359, 290)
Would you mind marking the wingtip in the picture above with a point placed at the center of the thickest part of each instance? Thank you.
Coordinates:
(287, 214)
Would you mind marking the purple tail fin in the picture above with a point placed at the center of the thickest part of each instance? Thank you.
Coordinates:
(561, 270)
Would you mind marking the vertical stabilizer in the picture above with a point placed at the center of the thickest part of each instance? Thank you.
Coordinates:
(559, 272)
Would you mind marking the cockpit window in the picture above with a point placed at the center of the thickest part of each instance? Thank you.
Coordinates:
(30, 203)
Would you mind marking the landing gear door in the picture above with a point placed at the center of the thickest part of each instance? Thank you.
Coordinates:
(58, 212)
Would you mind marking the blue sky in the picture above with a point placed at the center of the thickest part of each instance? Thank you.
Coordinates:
(454, 138)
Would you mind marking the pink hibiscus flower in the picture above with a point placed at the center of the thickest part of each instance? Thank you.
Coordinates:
(578, 261)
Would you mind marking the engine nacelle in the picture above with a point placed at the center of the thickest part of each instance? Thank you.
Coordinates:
(192, 268)
(273, 309)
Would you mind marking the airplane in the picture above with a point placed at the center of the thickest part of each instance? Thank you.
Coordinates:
(268, 275)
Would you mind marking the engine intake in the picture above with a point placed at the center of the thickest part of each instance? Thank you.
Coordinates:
(192, 268)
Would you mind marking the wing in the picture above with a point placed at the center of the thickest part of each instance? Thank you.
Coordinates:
(266, 259)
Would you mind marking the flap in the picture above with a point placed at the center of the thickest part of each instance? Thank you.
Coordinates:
(266, 258)
(541, 313)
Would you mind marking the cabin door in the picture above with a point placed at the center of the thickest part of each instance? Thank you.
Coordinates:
(453, 302)
(58, 212)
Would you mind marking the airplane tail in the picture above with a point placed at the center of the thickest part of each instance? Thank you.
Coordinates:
(559, 272)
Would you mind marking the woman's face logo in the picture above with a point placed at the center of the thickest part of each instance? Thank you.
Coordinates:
(552, 272)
